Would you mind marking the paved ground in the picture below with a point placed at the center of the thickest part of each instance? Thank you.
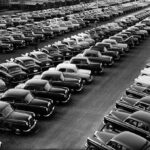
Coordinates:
(72, 123)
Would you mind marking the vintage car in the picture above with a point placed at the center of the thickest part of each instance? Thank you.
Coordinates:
(145, 72)
(80, 41)
(142, 80)
(87, 38)
(103, 50)
(3, 86)
(41, 58)
(12, 73)
(54, 54)
(6, 47)
(42, 88)
(111, 48)
(137, 122)
(27, 64)
(16, 121)
(72, 45)
(114, 43)
(96, 56)
(137, 91)
(21, 36)
(56, 78)
(126, 39)
(134, 104)
(11, 40)
(71, 70)
(63, 49)
(23, 100)
(106, 140)
(84, 63)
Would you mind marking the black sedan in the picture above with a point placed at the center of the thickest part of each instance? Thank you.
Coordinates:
(133, 104)
(16, 121)
(41, 58)
(42, 88)
(96, 56)
(29, 65)
(137, 122)
(12, 73)
(56, 78)
(23, 100)
(106, 140)
(104, 51)
(85, 63)
(137, 91)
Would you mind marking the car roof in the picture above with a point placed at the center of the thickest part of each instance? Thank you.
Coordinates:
(16, 93)
(141, 116)
(52, 73)
(37, 52)
(36, 82)
(130, 140)
(9, 64)
(66, 65)
(145, 99)
(24, 58)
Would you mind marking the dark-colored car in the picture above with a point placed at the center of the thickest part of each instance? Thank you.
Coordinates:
(23, 100)
(12, 73)
(137, 91)
(134, 104)
(42, 59)
(16, 120)
(42, 88)
(29, 65)
(55, 55)
(85, 63)
(56, 78)
(137, 122)
(63, 49)
(11, 40)
(111, 48)
(6, 47)
(108, 140)
(96, 56)
(104, 51)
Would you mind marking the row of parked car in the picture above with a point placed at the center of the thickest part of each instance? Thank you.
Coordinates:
(127, 125)
(22, 30)
(38, 85)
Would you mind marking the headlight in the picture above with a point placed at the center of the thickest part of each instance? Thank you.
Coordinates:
(27, 123)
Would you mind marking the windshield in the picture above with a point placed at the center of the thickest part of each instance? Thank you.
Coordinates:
(28, 98)
(29, 62)
(72, 43)
(47, 87)
(62, 46)
(42, 56)
(62, 25)
(14, 69)
(7, 111)
(17, 37)
(80, 40)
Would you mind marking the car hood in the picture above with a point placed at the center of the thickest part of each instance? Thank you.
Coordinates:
(128, 100)
(103, 137)
(39, 102)
(16, 115)
(119, 115)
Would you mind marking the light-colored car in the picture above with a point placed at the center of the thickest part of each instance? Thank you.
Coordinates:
(71, 70)
(115, 44)
(87, 38)
(145, 72)
(143, 81)
(80, 41)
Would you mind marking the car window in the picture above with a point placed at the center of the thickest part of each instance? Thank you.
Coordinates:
(75, 61)
(70, 70)
(142, 106)
(1, 68)
(62, 69)
(116, 146)
(147, 91)
(131, 121)
(143, 126)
